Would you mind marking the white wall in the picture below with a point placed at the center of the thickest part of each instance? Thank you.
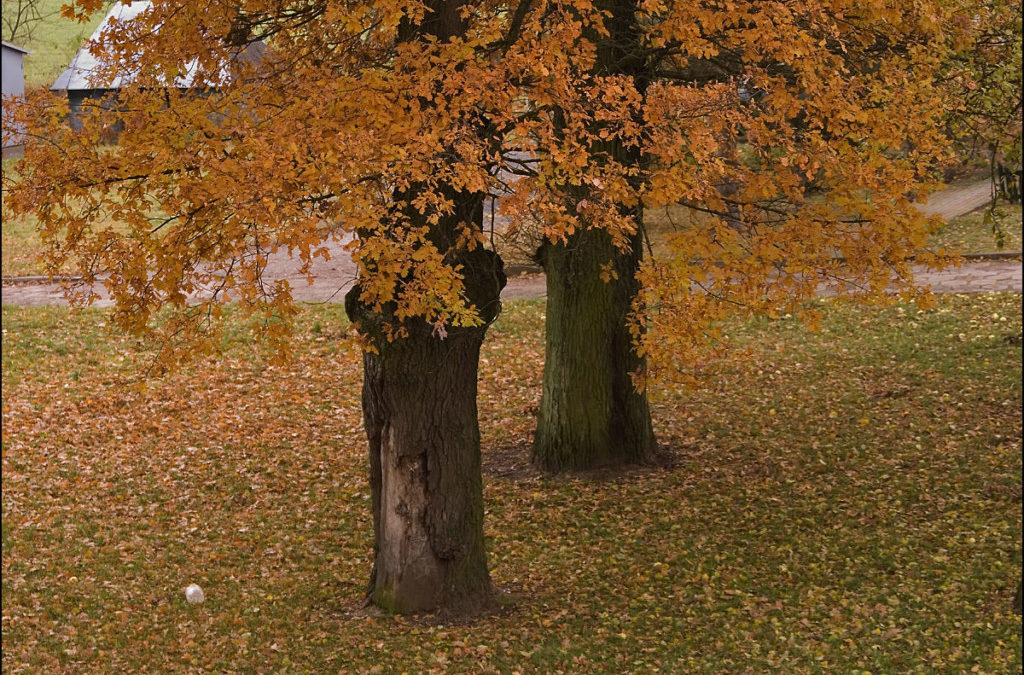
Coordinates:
(13, 85)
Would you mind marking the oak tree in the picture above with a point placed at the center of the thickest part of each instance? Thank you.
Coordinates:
(793, 140)
(378, 124)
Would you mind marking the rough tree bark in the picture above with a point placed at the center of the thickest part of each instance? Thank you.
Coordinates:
(591, 414)
(420, 413)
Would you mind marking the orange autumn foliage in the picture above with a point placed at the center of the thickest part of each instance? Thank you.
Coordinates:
(798, 136)
(804, 131)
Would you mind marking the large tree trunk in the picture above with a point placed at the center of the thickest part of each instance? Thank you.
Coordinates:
(420, 413)
(591, 413)
(419, 409)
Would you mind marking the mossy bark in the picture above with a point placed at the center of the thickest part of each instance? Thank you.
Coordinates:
(591, 413)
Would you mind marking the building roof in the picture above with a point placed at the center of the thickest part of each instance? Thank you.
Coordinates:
(15, 47)
(83, 71)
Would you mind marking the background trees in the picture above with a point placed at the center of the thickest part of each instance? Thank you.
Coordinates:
(20, 19)
(983, 73)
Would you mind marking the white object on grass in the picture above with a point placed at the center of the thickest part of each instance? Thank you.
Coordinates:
(194, 594)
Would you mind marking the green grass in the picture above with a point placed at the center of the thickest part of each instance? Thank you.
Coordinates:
(971, 234)
(53, 41)
(21, 247)
(841, 501)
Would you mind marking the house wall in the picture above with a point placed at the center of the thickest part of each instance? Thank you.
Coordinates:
(13, 74)
(13, 85)
(82, 102)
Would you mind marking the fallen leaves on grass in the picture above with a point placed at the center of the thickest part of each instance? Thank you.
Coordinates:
(869, 524)
(973, 233)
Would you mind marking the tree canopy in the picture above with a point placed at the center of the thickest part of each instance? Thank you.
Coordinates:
(750, 112)
(800, 138)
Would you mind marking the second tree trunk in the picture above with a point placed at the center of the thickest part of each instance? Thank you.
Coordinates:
(591, 414)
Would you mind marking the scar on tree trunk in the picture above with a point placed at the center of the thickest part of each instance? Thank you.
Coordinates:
(420, 413)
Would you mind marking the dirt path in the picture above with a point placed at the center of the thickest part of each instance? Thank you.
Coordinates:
(959, 199)
(334, 277)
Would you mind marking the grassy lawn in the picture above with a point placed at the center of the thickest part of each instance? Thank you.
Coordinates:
(970, 234)
(21, 247)
(842, 501)
(53, 42)
(966, 234)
